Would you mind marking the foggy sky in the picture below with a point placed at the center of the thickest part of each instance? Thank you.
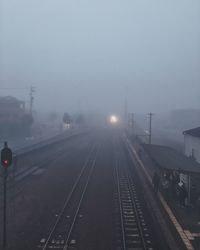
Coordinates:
(90, 54)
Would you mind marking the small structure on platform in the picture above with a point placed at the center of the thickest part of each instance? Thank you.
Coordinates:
(192, 143)
(171, 162)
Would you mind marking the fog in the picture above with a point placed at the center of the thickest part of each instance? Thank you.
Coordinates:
(91, 55)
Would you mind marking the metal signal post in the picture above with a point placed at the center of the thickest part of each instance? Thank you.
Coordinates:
(6, 161)
(5, 208)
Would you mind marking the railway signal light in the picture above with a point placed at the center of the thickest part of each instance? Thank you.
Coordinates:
(6, 156)
(6, 161)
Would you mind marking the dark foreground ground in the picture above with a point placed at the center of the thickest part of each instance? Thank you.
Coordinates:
(35, 208)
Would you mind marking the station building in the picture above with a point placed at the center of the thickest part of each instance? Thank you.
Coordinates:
(11, 109)
(12, 115)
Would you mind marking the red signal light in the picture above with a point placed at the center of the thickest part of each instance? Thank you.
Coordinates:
(6, 156)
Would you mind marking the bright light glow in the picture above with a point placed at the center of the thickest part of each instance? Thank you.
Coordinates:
(113, 119)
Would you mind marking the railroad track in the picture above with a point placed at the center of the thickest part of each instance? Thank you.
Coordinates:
(132, 231)
(17, 179)
(61, 234)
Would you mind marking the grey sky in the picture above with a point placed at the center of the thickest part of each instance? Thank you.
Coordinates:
(92, 52)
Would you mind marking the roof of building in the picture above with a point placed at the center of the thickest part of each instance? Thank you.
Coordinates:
(168, 158)
(194, 132)
(9, 99)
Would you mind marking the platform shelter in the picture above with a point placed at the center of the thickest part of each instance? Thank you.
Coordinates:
(168, 160)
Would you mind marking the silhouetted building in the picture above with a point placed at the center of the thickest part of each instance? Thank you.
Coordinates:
(13, 117)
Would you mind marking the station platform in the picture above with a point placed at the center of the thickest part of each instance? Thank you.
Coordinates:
(186, 220)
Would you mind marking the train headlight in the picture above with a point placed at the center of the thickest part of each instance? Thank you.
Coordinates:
(113, 119)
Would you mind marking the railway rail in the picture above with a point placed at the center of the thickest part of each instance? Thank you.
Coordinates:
(77, 220)
(132, 230)
(23, 173)
(61, 234)
(19, 174)
(48, 142)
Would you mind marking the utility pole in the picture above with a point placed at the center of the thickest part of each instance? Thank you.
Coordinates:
(132, 122)
(32, 90)
(125, 105)
(125, 111)
(150, 126)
